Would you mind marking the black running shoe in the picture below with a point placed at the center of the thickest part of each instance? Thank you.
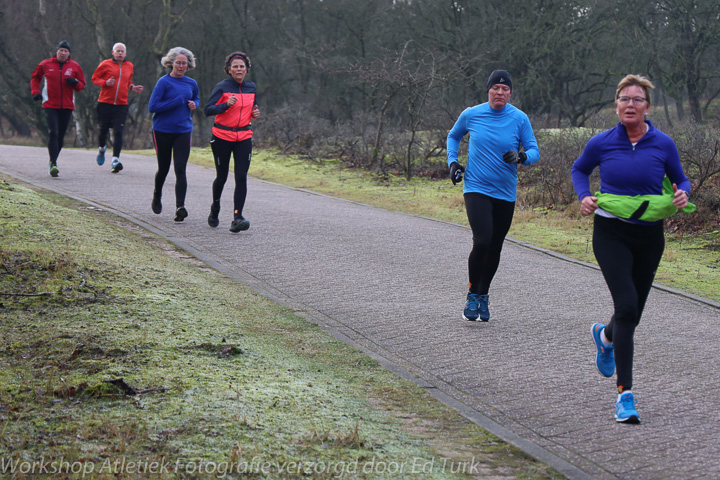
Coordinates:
(180, 214)
(213, 220)
(116, 167)
(156, 204)
(239, 224)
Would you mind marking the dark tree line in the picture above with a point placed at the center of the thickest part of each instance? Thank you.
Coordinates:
(379, 81)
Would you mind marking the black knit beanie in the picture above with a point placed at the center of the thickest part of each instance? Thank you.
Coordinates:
(63, 44)
(499, 76)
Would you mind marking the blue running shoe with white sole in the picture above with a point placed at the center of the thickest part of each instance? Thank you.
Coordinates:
(484, 308)
(605, 358)
(472, 305)
(625, 411)
(100, 157)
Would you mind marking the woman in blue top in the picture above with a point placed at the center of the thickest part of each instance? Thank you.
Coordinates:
(633, 159)
(497, 130)
(172, 102)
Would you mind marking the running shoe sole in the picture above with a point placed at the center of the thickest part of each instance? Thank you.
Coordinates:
(116, 168)
(54, 172)
(239, 226)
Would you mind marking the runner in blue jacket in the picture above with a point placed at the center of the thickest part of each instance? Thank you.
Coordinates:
(633, 158)
(172, 102)
(497, 130)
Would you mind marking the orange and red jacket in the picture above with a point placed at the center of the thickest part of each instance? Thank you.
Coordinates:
(231, 123)
(56, 92)
(122, 73)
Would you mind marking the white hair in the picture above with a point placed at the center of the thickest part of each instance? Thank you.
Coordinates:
(167, 60)
(119, 45)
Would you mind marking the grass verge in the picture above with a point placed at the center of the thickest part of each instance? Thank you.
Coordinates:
(123, 357)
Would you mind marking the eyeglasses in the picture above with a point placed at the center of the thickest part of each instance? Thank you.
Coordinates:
(180, 64)
(635, 100)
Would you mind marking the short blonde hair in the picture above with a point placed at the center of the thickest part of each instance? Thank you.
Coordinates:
(637, 80)
(168, 60)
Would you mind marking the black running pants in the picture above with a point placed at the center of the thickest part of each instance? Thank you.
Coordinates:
(628, 255)
(172, 148)
(111, 116)
(58, 120)
(490, 219)
(242, 154)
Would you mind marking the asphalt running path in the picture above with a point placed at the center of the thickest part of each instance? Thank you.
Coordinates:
(394, 285)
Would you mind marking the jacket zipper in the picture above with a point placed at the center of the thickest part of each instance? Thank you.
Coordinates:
(117, 89)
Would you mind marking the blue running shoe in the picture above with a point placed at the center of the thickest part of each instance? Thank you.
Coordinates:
(472, 305)
(54, 172)
(484, 308)
(100, 157)
(605, 358)
(239, 225)
(116, 167)
(625, 409)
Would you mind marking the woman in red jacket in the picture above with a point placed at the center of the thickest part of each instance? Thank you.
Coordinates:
(63, 77)
(233, 102)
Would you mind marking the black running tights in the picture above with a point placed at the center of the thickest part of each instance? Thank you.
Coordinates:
(58, 120)
(242, 154)
(111, 116)
(172, 148)
(628, 255)
(490, 220)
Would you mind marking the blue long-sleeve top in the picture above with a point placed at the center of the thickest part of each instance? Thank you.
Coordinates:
(627, 169)
(168, 104)
(492, 133)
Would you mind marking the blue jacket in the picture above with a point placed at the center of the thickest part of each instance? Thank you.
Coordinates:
(168, 104)
(627, 169)
(492, 133)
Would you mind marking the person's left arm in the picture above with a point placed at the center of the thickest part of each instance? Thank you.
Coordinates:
(674, 171)
(529, 143)
(196, 94)
(80, 76)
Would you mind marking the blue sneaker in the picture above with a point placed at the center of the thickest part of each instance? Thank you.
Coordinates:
(625, 409)
(54, 172)
(100, 157)
(472, 305)
(484, 308)
(116, 167)
(605, 358)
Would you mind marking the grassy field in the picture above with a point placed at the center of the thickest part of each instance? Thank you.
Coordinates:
(122, 357)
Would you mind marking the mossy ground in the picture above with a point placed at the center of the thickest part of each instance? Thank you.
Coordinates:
(229, 384)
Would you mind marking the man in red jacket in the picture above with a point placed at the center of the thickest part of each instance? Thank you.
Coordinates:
(114, 76)
(63, 77)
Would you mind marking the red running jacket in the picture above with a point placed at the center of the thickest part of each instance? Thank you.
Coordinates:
(122, 72)
(56, 93)
(231, 123)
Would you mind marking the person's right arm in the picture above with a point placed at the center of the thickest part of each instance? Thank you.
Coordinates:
(212, 107)
(580, 174)
(35, 79)
(458, 131)
(98, 77)
(158, 101)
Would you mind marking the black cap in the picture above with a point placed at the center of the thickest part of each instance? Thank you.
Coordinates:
(63, 44)
(499, 76)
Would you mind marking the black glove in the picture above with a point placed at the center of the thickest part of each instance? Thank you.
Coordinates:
(37, 96)
(514, 157)
(456, 172)
(71, 81)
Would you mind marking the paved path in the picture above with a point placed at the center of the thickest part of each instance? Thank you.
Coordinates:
(388, 283)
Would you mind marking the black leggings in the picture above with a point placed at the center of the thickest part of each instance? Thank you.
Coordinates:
(490, 220)
(172, 148)
(58, 120)
(628, 255)
(242, 154)
(114, 116)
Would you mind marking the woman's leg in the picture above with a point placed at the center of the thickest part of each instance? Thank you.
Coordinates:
(242, 154)
(181, 153)
(163, 150)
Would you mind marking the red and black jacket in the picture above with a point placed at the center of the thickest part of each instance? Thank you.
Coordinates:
(231, 123)
(56, 92)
